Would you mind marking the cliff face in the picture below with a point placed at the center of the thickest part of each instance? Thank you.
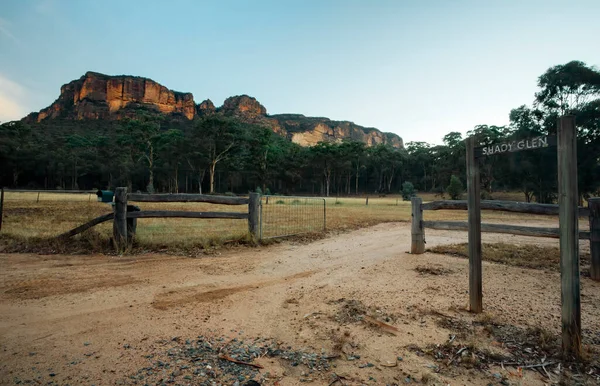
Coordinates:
(308, 131)
(104, 97)
(99, 96)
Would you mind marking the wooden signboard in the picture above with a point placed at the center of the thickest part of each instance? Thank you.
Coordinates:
(514, 146)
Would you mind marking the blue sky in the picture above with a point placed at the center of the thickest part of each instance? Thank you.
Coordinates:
(416, 68)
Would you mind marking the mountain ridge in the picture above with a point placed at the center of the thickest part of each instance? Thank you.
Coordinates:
(112, 97)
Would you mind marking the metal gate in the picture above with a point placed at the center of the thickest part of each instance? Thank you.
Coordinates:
(282, 216)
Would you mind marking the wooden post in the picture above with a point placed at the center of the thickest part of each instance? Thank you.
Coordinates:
(417, 245)
(367, 201)
(594, 206)
(120, 219)
(38, 197)
(474, 207)
(1, 206)
(254, 216)
(569, 231)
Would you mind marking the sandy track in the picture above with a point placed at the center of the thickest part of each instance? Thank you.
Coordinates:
(71, 316)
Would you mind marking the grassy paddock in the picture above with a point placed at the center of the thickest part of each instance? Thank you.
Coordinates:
(27, 219)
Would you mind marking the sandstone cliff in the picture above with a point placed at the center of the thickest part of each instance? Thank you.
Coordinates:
(99, 96)
(105, 97)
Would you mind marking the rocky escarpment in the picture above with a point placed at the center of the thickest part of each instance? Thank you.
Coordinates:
(104, 97)
(99, 96)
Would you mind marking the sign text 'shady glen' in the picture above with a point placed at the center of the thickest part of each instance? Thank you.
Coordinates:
(513, 146)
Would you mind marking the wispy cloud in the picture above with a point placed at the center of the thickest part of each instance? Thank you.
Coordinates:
(5, 31)
(12, 100)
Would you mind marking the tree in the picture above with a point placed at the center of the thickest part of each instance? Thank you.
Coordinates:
(219, 136)
(455, 189)
(18, 148)
(568, 87)
(324, 156)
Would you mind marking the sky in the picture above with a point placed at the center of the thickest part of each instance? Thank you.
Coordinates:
(419, 69)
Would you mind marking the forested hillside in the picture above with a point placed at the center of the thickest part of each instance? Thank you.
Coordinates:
(223, 153)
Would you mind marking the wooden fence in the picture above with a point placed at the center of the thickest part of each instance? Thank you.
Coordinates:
(125, 216)
(592, 212)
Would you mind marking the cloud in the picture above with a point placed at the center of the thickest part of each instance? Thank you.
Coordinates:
(12, 97)
(5, 30)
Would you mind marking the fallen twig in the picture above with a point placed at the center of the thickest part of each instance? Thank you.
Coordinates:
(230, 359)
(538, 365)
(391, 329)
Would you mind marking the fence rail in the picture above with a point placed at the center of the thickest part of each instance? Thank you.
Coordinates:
(505, 206)
(223, 200)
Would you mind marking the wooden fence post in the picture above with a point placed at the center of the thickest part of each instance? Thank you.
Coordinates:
(417, 245)
(569, 232)
(120, 219)
(367, 201)
(474, 207)
(594, 206)
(254, 216)
(1, 206)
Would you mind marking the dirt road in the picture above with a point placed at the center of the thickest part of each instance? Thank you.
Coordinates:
(100, 319)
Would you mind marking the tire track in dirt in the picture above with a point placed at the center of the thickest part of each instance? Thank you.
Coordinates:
(173, 298)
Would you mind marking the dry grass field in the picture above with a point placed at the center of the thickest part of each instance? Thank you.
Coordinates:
(30, 219)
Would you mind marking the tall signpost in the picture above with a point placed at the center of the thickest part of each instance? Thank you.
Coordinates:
(568, 214)
(566, 140)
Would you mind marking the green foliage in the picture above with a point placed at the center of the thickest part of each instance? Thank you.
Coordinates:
(268, 192)
(455, 189)
(258, 190)
(219, 153)
(280, 202)
(408, 191)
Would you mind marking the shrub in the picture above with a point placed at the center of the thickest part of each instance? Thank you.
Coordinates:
(268, 192)
(280, 202)
(455, 189)
(408, 191)
(258, 190)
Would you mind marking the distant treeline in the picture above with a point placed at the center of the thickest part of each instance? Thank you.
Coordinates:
(223, 154)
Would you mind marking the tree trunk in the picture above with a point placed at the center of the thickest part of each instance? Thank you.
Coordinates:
(356, 180)
(176, 180)
(212, 176)
(200, 180)
(15, 178)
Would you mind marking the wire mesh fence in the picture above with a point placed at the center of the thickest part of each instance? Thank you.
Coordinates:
(288, 216)
(49, 213)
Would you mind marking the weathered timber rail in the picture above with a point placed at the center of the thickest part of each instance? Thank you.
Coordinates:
(185, 214)
(505, 206)
(501, 228)
(87, 225)
(222, 200)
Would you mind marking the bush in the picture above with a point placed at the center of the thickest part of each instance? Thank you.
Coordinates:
(408, 191)
(268, 192)
(455, 189)
(280, 202)
(258, 190)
